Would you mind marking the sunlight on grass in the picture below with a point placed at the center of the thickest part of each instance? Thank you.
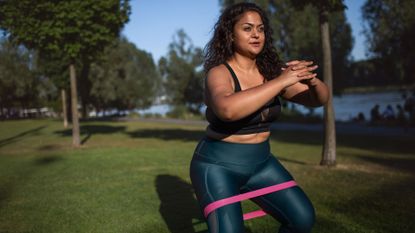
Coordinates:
(133, 177)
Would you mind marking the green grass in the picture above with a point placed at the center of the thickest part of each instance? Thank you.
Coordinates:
(133, 177)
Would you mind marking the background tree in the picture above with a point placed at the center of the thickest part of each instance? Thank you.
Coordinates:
(20, 85)
(182, 73)
(389, 26)
(124, 79)
(325, 7)
(297, 37)
(77, 29)
(56, 71)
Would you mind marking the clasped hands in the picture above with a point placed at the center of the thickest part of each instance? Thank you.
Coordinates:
(302, 70)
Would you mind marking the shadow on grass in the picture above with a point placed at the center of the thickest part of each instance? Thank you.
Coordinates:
(20, 176)
(399, 164)
(327, 225)
(178, 207)
(47, 160)
(6, 190)
(48, 147)
(386, 205)
(389, 144)
(169, 134)
(388, 208)
(88, 130)
(20, 136)
(292, 161)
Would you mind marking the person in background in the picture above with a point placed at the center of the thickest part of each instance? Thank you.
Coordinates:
(400, 116)
(360, 118)
(244, 80)
(409, 106)
(375, 116)
(388, 114)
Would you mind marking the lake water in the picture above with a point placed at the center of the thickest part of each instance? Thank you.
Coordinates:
(346, 106)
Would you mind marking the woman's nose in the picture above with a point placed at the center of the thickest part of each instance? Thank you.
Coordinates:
(255, 33)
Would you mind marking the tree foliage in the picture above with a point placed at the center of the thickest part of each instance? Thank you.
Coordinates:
(125, 78)
(77, 27)
(390, 31)
(76, 30)
(21, 86)
(182, 73)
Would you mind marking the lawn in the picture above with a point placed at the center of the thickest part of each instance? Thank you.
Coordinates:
(133, 177)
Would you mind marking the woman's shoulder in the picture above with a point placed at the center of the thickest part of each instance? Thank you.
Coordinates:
(221, 68)
(219, 76)
(218, 72)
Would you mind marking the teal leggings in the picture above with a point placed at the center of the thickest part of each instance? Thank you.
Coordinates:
(221, 169)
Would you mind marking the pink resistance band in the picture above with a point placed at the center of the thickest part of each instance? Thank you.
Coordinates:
(240, 197)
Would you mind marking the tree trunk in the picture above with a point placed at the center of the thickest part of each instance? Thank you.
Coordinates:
(329, 149)
(74, 103)
(64, 109)
(85, 88)
(2, 112)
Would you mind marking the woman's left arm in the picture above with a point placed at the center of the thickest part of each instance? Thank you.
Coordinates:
(311, 93)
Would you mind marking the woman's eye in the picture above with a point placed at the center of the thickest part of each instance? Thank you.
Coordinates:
(247, 29)
(261, 29)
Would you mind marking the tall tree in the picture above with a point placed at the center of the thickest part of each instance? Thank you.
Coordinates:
(77, 30)
(125, 78)
(390, 30)
(182, 73)
(325, 7)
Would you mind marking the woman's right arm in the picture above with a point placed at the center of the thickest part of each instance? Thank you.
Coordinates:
(231, 106)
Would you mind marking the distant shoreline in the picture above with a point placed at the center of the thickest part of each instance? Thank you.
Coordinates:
(374, 89)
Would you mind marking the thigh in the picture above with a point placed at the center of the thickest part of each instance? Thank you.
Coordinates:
(211, 183)
(289, 206)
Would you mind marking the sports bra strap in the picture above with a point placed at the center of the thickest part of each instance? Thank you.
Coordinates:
(235, 79)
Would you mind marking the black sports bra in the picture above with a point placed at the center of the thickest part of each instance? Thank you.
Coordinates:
(258, 121)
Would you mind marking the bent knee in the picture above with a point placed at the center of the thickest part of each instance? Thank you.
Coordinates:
(223, 221)
(303, 222)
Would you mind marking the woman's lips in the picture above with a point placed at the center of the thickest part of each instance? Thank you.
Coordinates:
(255, 44)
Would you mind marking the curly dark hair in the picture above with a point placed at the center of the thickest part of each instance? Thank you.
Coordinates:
(220, 47)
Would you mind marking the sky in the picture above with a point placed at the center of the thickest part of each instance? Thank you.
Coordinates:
(154, 22)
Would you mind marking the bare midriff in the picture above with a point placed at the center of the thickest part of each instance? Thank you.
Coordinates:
(238, 138)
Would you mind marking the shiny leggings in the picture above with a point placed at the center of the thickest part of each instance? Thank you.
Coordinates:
(221, 169)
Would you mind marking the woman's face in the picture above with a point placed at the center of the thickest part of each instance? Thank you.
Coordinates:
(248, 34)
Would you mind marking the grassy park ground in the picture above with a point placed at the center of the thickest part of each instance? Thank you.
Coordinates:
(133, 177)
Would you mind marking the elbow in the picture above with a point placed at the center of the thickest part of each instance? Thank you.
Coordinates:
(325, 98)
(322, 99)
(226, 114)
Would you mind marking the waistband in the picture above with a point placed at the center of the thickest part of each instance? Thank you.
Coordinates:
(234, 153)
